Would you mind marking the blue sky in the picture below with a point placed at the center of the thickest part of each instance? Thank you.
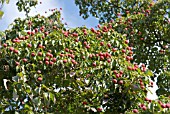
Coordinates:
(70, 13)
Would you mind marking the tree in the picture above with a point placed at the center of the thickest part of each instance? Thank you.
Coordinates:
(46, 68)
(147, 25)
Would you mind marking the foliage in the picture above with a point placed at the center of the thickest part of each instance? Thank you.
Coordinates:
(146, 23)
(25, 5)
(46, 68)
(164, 84)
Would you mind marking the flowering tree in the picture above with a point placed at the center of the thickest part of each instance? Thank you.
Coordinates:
(46, 68)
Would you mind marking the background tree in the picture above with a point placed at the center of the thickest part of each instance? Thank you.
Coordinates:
(147, 25)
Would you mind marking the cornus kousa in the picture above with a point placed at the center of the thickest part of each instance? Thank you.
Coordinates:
(53, 69)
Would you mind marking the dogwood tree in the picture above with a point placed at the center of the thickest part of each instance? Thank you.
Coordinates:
(46, 68)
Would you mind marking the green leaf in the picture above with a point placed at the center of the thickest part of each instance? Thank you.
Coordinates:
(30, 112)
(28, 89)
(149, 73)
(7, 1)
(26, 106)
(52, 97)
(1, 14)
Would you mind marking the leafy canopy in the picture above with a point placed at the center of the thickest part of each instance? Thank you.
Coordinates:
(46, 68)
